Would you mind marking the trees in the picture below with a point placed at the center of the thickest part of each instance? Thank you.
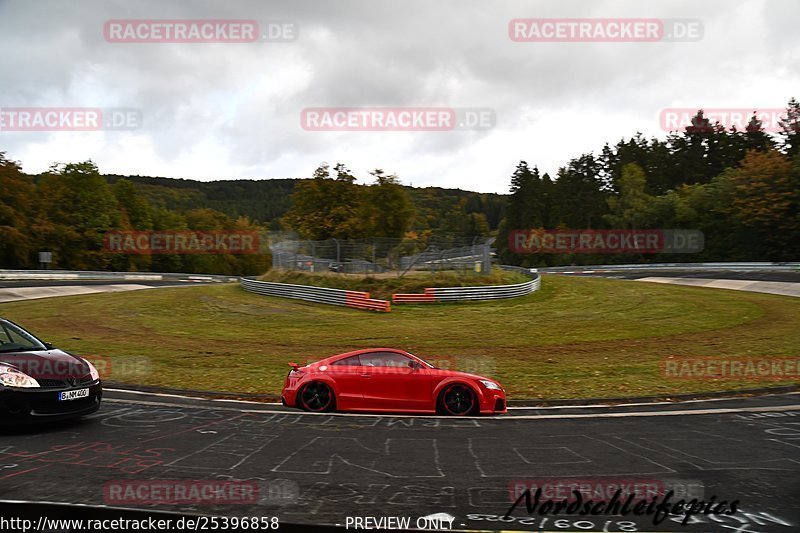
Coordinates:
(327, 207)
(460, 223)
(529, 206)
(386, 207)
(69, 209)
(790, 127)
(766, 201)
(530, 203)
(76, 208)
(17, 198)
(755, 138)
(741, 188)
(630, 209)
(578, 198)
(136, 212)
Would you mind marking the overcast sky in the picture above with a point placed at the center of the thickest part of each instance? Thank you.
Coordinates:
(232, 110)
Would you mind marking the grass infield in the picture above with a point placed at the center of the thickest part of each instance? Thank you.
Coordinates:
(575, 338)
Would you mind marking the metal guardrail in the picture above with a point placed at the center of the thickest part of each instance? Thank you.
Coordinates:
(361, 300)
(323, 295)
(733, 267)
(487, 292)
(98, 275)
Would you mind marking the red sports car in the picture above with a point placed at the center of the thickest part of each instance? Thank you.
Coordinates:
(385, 379)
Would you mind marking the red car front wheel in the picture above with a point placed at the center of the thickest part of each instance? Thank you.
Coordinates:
(458, 400)
(317, 397)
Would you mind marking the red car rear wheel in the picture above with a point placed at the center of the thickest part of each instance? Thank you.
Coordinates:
(317, 397)
(458, 400)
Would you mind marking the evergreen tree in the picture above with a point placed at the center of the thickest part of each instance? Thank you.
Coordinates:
(578, 200)
(631, 208)
(790, 127)
(755, 138)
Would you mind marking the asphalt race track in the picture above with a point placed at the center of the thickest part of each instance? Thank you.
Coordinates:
(786, 283)
(84, 282)
(324, 468)
(788, 277)
(12, 290)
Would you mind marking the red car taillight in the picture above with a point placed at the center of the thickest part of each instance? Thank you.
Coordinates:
(293, 375)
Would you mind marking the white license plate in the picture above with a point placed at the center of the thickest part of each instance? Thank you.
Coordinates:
(73, 394)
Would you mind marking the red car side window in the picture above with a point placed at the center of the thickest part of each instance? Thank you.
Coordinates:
(384, 359)
(348, 361)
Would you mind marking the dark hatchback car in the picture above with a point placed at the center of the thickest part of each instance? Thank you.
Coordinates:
(39, 382)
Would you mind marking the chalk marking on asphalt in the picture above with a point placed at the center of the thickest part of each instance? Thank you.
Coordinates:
(104, 414)
(516, 408)
(21, 472)
(166, 395)
(516, 417)
(639, 404)
(192, 429)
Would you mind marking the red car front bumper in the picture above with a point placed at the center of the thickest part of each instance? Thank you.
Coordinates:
(493, 402)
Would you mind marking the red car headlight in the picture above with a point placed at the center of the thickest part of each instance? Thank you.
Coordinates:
(491, 385)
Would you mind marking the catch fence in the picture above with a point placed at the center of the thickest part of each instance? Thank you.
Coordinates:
(384, 255)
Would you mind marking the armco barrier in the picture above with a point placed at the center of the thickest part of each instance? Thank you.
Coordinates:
(426, 297)
(99, 275)
(667, 267)
(323, 295)
(488, 292)
(361, 300)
